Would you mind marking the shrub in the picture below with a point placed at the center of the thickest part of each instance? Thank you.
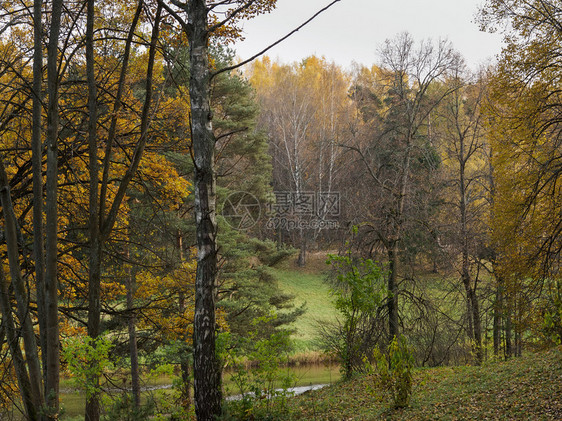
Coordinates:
(392, 373)
(359, 291)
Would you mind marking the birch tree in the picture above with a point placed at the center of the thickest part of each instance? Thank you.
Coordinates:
(305, 109)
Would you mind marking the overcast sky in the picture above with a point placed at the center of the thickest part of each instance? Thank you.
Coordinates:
(352, 30)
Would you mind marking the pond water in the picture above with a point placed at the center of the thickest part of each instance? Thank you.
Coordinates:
(307, 377)
(315, 374)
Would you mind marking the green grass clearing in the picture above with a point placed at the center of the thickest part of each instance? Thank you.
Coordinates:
(307, 287)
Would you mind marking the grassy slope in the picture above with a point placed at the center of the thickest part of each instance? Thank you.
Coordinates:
(307, 285)
(528, 388)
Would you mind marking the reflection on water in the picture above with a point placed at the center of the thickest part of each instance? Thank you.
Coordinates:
(307, 377)
(315, 374)
(304, 375)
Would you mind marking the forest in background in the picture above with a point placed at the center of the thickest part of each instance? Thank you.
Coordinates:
(434, 188)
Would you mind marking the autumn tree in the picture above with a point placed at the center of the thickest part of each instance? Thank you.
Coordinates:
(525, 137)
(392, 147)
(46, 265)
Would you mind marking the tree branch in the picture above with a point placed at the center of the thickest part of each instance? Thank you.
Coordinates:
(280, 40)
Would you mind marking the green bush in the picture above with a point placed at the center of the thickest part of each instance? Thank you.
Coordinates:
(358, 291)
(123, 409)
(392, 373)
(552, 315)
(87, 359)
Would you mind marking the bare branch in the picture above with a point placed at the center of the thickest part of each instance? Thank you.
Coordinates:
(280, 40)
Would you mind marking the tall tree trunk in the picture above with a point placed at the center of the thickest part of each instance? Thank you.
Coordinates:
(473, 313)
(30, 400)
(51, 212)
(392, 290)
(185, 364)
(476, 325)
(508, 329)
(133, 350)
(497, 319)
(104, 223)
(207, 372)
(37, 164)
(301, 261)
(470, 328)
(392, 247)
(185, 351)
(21, 294)
(94, 273)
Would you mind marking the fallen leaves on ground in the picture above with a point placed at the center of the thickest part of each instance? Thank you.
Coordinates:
(526, 388)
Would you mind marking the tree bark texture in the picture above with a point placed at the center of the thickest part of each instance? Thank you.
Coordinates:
(30, 400)
(133, 349)
(94, 272)
(207, 373)
(392, 291)
(37, 163)
(51, 212)
(473, 311)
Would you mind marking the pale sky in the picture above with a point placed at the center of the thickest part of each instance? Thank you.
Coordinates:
(352, 30)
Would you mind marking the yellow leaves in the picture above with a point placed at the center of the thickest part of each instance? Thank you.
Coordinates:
(110, 290)
(172, 188)
(170, 302)
(171, 298)
(68, 328)
(314, 90)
